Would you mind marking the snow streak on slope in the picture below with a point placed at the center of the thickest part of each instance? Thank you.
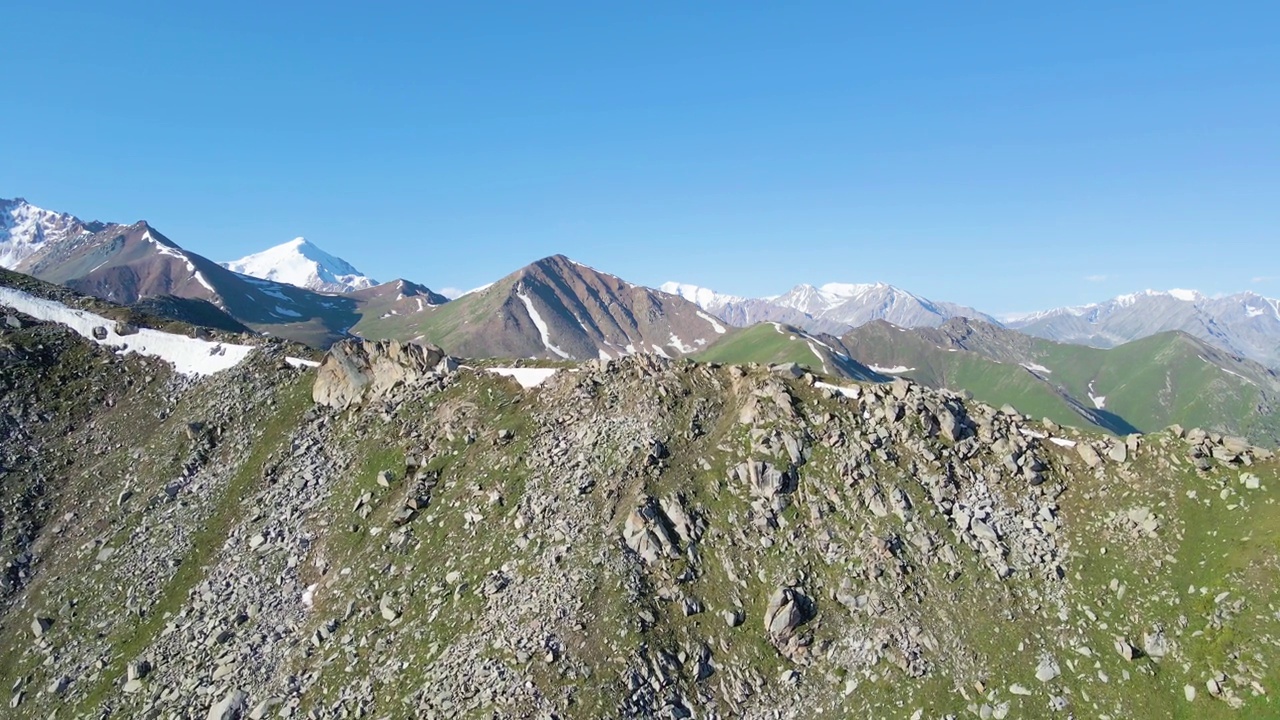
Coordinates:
(714, 325)
(188, 356)
(541, 324)
(527, 377)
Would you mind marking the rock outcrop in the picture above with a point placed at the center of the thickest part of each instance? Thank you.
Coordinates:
(356, 371)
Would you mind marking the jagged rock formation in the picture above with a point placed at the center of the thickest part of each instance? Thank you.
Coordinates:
(631, 538)
(354, 371)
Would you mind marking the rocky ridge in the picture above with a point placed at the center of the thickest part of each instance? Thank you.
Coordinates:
(635, 537)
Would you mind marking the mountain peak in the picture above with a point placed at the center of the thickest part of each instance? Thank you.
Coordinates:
(25, 229)
(300, 262)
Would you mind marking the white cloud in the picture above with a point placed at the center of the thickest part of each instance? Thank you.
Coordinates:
(1095, 278)
(451, 293)
(1261, 279)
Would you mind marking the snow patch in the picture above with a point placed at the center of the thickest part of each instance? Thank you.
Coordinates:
(1062, 442)
(541, 324)
(286, 312)
(714, 325)
(818, 355)
(658, 349)
(1033, 367)
(679, 345)
(527, 377)
(1099, 401)
(301, 362)
(188, 356)
(895, 370)
(845, 391)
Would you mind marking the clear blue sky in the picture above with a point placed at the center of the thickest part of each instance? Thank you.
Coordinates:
(1006, 155)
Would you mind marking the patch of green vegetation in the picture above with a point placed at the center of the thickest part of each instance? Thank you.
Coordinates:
(764, 343)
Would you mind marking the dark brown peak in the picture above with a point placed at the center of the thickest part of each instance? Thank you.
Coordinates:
(553, 264)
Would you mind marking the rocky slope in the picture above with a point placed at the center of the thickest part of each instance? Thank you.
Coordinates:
(554, 308)
(396, 535)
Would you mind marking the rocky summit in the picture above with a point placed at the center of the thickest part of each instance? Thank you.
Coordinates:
(397, 534)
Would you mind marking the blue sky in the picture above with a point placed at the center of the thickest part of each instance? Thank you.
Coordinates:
(1009, 156)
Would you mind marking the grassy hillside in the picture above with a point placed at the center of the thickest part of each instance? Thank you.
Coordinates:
(1142, 386)
(775, 343)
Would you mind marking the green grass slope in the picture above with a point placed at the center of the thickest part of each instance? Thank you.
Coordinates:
(774, 343)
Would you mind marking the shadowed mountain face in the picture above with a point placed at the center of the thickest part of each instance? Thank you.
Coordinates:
(558, 309)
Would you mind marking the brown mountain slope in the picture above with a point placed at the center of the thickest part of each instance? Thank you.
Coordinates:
(559, 309)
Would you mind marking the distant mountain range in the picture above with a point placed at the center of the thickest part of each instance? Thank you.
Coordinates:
(298, 291)
(1157, 357)
(832, 308)
(1246, 324)
(1140, 386)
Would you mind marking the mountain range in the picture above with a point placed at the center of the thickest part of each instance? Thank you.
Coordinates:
(1162, 357)
(1246, 323)
(129, 262)
(233, 528)
(642, 511)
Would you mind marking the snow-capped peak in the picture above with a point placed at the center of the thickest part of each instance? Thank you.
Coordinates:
(702, 297)
(850, 290)
(299, 262)
(25, 229)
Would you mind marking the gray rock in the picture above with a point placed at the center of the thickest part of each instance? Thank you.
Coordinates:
(356, 371)
(1089, 455)
(1047, 669)
(786, 611)
(232, 706)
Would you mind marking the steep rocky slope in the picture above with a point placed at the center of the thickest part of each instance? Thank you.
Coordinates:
(637, 538)
(554, 308)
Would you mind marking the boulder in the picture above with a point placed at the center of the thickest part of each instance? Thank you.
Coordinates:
(788, 609)
(356, 371)
(1089, 455)
(232, 706)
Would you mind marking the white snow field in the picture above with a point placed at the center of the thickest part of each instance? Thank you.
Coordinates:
(188, 356)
